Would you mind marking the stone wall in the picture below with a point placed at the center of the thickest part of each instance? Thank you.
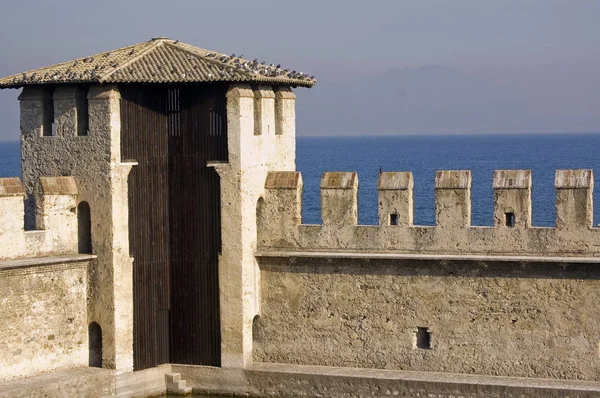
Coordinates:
(507, 318)
(43, 317)
(507, 300)
(75, 131)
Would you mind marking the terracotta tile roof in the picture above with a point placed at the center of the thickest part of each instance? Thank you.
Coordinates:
(58, 185)
(159, 60)
(11, 187)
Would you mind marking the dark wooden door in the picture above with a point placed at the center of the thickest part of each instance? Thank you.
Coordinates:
(174, 220)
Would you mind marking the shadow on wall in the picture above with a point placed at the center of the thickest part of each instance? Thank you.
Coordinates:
(95, 345)
(432, 267)
(84, 228)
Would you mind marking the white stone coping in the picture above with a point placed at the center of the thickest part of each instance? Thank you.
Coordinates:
(418, 256)
(43, 261)
(439, 377)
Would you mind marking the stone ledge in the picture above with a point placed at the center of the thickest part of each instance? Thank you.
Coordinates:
(417, 256)
(44, 261)
(289, 380)
(433, 377)
(88, 382)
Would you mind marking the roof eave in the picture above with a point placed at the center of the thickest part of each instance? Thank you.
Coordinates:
(304, 84)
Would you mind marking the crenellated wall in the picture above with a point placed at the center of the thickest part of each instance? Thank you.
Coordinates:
(57, 219)
(508, 300)
(280, 227)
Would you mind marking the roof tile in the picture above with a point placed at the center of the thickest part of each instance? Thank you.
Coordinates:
(159, 60)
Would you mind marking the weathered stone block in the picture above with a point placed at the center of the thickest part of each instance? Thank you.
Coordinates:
(574, 198)
(453, 198)
(339, 198)
(512, 198)
(281, 209)
(395, 192)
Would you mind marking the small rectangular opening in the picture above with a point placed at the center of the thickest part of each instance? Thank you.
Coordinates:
(278, 116)
(48, 128)
(509, 219)
(393, 219)
(257, 110)
(423, 338)
(83, 115)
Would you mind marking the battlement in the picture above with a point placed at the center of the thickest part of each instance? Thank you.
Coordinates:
(280, 225)
(56, 212)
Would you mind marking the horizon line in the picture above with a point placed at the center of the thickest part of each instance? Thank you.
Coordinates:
(310, 135)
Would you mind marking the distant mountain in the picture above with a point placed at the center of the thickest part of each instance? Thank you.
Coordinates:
(441, 99)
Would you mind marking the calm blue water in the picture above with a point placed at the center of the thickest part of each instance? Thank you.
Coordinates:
(423, 155)
(10, 159)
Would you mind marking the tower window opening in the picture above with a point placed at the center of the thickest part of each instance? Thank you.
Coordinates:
(393, 219)
(423, 338)
(509, 219)
(48, 128)
(83, 115)
(84, 228)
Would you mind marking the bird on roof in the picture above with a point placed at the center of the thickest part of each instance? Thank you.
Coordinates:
(176, 41)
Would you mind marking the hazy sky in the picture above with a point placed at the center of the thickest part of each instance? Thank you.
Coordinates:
(384, 67)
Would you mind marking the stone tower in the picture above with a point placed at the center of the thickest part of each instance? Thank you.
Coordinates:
(73, 120)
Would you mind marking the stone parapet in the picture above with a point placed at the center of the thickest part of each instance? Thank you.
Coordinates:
(339, 198)
(574, 198)
(512, 198)
(395, 204)
(453, 198)
(287, 187)
(57, 215)
(453, 234)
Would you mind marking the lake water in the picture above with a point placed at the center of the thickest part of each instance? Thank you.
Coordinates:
(423, 155)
